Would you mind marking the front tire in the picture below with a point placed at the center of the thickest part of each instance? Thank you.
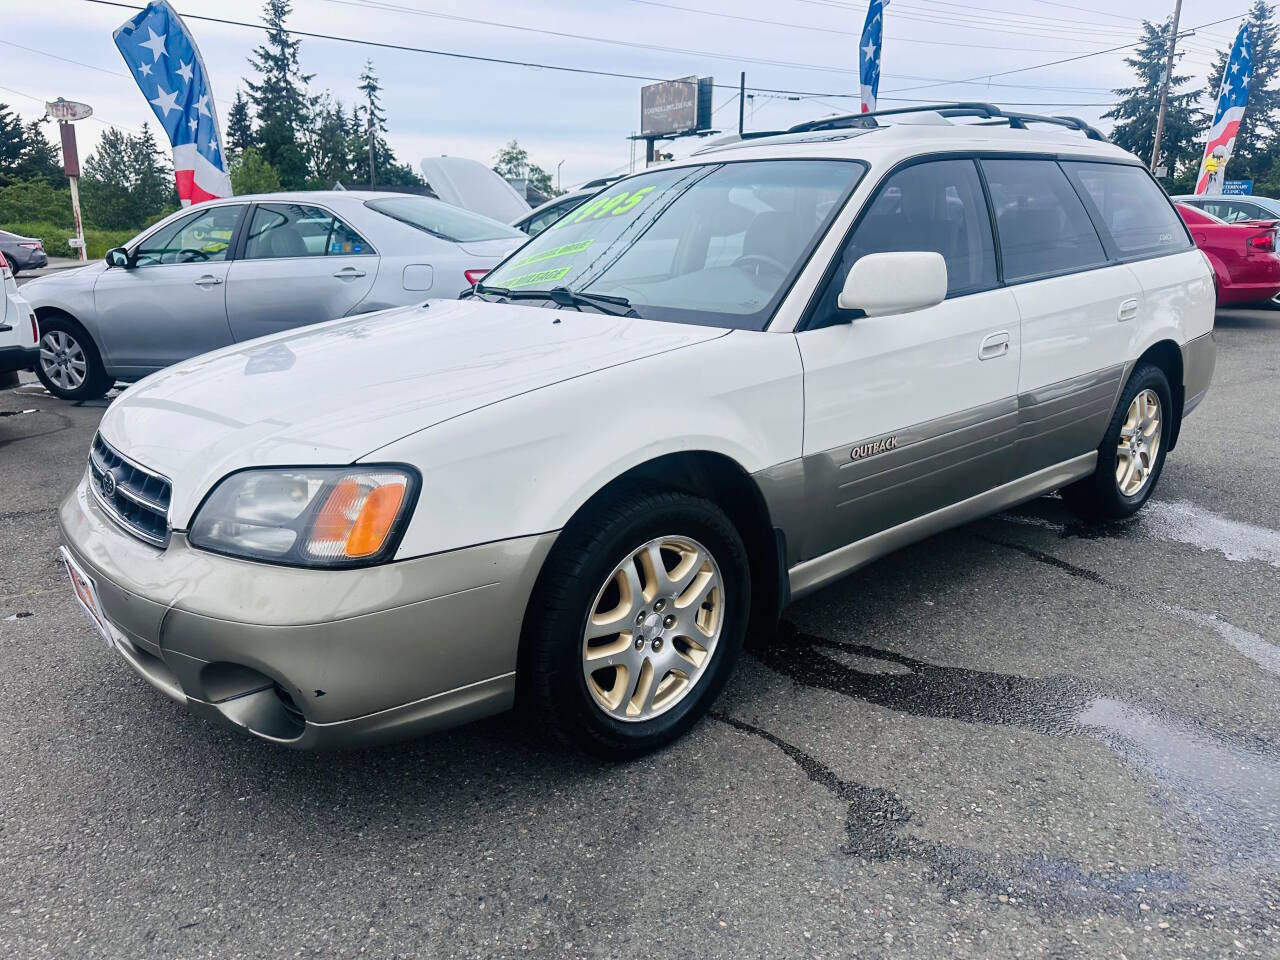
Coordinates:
(1131, 455)
(636, 623)
(69, 365)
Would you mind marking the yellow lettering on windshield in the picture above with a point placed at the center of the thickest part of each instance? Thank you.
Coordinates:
(565, 250)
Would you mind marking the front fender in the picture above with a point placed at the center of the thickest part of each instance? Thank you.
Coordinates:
(528, 463)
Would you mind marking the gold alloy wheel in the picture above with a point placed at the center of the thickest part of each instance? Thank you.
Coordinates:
(1139, 443)
(653, 628)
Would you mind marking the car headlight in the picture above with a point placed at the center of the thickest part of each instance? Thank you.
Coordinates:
(308, 516)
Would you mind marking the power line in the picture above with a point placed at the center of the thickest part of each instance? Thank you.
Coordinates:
(587, 71)
(1053, 63)
(95, 117)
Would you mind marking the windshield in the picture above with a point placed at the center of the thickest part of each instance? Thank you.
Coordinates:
(442, 220)
(716, 244)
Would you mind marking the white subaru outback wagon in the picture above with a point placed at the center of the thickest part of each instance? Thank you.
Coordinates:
(719, 385)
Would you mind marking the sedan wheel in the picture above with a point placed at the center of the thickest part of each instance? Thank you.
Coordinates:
(653, 629)
(62, 359)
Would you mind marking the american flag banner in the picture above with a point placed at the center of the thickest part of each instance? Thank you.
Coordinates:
(164, 60)
(869, 54)
(1232, 100)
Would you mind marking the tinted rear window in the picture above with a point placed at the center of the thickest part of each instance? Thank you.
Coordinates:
(442, 219)
(1042, 225)
(1131, 209)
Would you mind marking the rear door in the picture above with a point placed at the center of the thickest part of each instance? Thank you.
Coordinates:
(171, 303)
(1078, 310)
(908, 413)
(300, 264)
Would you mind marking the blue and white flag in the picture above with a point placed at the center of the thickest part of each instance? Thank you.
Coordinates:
(869, 54)
(1233, 97)
(162, 55)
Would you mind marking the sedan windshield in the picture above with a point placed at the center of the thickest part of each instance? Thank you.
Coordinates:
(717, 244)
(442, 219)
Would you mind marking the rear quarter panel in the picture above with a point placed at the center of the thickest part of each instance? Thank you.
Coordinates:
(527, 464)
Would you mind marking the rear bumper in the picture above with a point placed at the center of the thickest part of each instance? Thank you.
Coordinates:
(18, 358)
(29, 259)
(1199, 357)
(308, 658)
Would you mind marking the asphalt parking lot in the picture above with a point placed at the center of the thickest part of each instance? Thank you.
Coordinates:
(1025, 737)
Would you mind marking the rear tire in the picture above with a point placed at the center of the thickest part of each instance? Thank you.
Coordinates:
(620, 693)
(69, 365)
(1131, 455)
(13, 267)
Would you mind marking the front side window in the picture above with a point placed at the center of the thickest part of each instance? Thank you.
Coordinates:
(715, 244)
(200, 238)
(1043, 226)
(280, 230)
(1130, 208)
(936, 207)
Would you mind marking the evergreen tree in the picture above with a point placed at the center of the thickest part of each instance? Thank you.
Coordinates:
(239, 125)
(388, 171)
(280, 100)
(40, 159)
(1256, 140)
(331, 145)
(126, 181)
(1139, 107)
(11, 141)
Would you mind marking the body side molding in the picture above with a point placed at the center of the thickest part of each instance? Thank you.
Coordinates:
(818, 572)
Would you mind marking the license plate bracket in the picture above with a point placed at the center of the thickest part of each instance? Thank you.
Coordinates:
(86, 591)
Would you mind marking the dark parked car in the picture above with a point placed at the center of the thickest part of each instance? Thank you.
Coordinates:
(22, 253)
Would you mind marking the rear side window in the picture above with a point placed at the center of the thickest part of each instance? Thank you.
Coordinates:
(1043, 227)
(1132, 211)
(936, 206)
(285, 230)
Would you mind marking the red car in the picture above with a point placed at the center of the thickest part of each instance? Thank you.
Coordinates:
(1246, 266)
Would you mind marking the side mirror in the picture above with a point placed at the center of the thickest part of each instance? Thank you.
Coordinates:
(117, 257)
(884, 283)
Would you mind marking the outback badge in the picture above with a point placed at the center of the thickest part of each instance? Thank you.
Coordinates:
(864, 450)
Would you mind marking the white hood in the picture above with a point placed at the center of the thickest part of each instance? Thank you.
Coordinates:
(336, 392)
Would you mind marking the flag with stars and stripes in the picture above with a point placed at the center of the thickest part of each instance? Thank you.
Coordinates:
(162, 55)
(1232, 100)
(869, 54)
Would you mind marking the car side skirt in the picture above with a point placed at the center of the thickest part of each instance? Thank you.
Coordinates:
(812, 574)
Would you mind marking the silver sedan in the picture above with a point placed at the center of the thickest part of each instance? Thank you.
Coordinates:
(232, 270)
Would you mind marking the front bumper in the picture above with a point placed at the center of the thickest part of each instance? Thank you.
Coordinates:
(18, 358)
(313, 658)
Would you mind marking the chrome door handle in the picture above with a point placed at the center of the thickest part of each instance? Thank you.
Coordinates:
(1128, 310)
(349, 273)
(996, 345)
(208, 281)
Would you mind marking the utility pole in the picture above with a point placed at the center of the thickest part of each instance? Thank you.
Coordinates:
(371, 171)
(558, 166)
(1164, 87)
(742, 97)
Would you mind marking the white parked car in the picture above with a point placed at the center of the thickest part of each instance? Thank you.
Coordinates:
(233, 270)
(716, 387)
(18, 331)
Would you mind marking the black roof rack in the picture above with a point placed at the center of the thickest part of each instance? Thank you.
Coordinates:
(986, 111)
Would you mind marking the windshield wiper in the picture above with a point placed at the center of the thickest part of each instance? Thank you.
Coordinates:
(614, 306)
(605, 303)
(483, 292)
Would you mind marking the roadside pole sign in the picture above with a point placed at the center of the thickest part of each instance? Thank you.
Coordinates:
(66, 112)
(1237, 188)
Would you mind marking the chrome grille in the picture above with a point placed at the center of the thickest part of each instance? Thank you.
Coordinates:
(136, 499)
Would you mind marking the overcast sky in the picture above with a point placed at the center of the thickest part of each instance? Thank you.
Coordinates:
(439, 105)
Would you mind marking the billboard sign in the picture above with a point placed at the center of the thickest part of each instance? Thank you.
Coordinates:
(1237, 188)
(670, 108)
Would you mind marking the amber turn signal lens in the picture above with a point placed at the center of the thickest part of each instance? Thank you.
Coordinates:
(375, 520)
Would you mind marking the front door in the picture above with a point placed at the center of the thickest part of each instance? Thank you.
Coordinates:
(170, 304)
(301, 265)
(905, 414)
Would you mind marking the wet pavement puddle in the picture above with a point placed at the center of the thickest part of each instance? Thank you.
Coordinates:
(1219, 794)
(1176, 521)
